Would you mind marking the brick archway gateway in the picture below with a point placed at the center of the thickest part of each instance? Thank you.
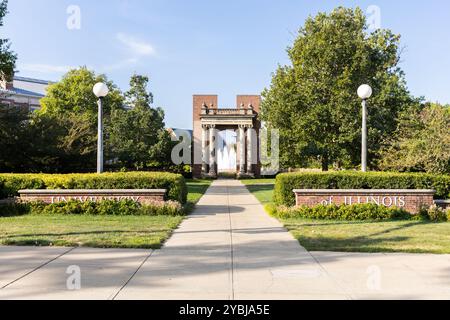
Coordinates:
(209, 119)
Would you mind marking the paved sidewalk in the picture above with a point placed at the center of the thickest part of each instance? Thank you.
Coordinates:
(228, 249)
(231, 249)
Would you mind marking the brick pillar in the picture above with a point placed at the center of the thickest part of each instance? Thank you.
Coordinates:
(198, 102)
(247, 100)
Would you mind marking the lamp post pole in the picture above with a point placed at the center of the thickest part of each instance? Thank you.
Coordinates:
(100, 162)
(364, 92)
(100, 90)
(364, 136)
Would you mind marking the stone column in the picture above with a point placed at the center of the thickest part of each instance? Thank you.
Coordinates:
(204, 150)
(212, 151)
(250, 150)
(242, 149)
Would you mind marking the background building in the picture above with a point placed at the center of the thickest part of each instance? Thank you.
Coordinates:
(23, 92)
(226, 139)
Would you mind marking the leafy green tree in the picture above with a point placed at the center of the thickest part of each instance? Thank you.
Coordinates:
(74, 94)
(138, 96)
(13, 142)
(137, 137)
(13, 120)
(421, 142)
(43, 152)
(67, 143)
(313, 101)
(7, 57)
(67, 123)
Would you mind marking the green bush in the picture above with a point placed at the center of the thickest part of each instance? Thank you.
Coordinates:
(358, 212)
(11, 183)
(287, 182)
(421, 216)
(103, 208)
(175, 184)
(14, 210)
(434, 214)
(271, 209)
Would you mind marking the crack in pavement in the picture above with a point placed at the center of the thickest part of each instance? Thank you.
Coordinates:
(37, 268)
(133, 275)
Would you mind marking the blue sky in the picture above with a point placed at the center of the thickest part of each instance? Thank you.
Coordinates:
(219, 47)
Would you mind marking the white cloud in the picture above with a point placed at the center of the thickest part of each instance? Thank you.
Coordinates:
(137, 46)
(51, 69)
(44, 68)
(137, 49)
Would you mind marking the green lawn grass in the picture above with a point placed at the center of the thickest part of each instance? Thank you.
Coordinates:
(261, 188)
(196, 189)
(392, 236)
(366, 236)
(250, 182)
(88, 231)
(96, 231)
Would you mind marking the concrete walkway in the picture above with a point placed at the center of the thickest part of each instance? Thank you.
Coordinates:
(228, 249)
(231, 249)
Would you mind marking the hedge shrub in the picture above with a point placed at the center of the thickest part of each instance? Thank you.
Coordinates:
(287, 182)
(10, 184)
(103, 208)
(175, 184)
(358, 212)
(434, 214)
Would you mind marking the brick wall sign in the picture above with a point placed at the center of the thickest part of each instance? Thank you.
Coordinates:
(58, 196)
(410, 200)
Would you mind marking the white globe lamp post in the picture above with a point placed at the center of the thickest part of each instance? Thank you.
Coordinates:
(101, 91)
(364, 92)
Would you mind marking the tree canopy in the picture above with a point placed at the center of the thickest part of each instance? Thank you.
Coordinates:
(421, 141)
(137, 135)
(7, 57)
(13, 138)
(12, 119)
(62, 136)
(313, 101)
(74, 94)
(64, 131)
